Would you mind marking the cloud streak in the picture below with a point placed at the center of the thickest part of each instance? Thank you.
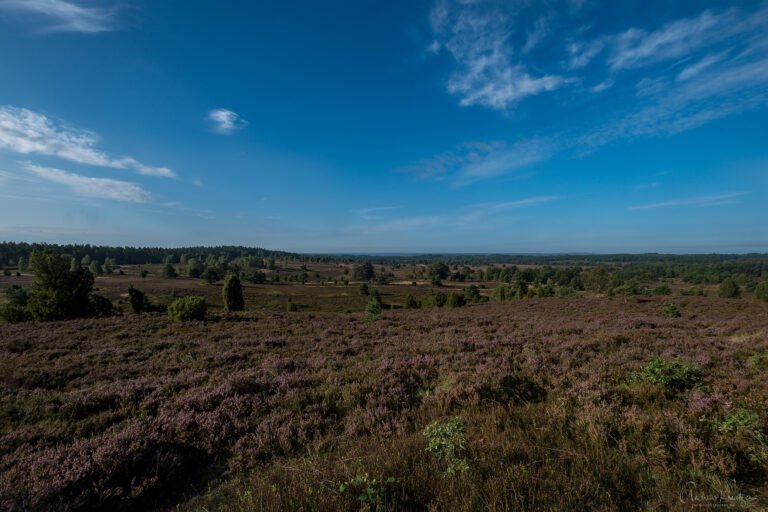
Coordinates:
(699, 202)
(101, 188)
(64, 16)
(225, 122)
(27, 132)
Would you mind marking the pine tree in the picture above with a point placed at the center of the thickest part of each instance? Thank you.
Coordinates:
(232, 294)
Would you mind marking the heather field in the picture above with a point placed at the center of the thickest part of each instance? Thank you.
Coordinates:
(594, 403)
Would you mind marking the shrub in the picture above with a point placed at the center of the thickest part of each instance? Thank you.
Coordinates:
(411, 302)
(58, 292)
(369, 492)
(6, 272)
(373, 309)
(364, 289)
(14, 314)
(16, 296)
(143, 273)
(761, 291)
(440, 299)
(448, 444)
(232, 294)
(663, 289)
(672, 310)
(99, 306)
(745, 438)
(211, 274)
(138, 300)
(499, 293)
(168, 271)
(672, 375)
(729, 289)
(290, 306)
(455, 300)
(187, 308)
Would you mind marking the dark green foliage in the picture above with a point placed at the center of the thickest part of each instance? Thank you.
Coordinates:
(672, 375)
(364, 272)
(761, 291)
(138, 300)
(729, 289)
(168, 271)
(16, 296)
(663, 289)
(455, 300)
(290, 306)
(373, 309)
(411, 302)
(440, 299)
(96, 269)
(364, 289)
(57, 292)
(671, 310)
(99, 307)
(143, 273)
(211, 275)
(14, 314)
(438, 272)
(187, 308)
(6, 272)
(232, 294)
(500, 293)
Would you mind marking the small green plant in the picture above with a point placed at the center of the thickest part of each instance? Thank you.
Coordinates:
(370, 491)
(671, 310)
(291, 306)
(187, 308)
(440, 299)
(745, 436)
(448, 444)
(373, 309)
(144, 273)
(411, 302)
(672, 375)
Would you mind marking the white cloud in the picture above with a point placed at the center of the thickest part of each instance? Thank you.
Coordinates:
(635, 47)
(540, 31)
(518, 203)
(478, 40)
(85, 186)
(64, 16)
(699, 66)
(700, 202)
(225, 122)
(28, 132)
(521, 154)
(581, 54)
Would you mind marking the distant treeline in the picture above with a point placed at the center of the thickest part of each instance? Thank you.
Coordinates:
(11, 252)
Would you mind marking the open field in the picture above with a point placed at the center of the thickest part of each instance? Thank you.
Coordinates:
(322, 411)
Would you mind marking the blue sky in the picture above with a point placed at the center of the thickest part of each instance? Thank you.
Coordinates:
(380, 126)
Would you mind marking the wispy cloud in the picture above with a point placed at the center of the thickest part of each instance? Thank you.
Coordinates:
(27, 132)
(225, 122)
(85, 186)
(478, 40)
(699, 202)
(635, 47)
(517, 203)
(64, 16)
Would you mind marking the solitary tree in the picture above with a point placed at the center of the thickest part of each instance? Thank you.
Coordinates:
(138, 300)
(232, 294)
(168, 270)
(58, 292)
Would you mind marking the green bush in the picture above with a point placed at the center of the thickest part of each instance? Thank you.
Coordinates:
(168, 271)
(411, 302)
(99, 306)
(455, 300)
(232, 294)
(672, 310)
(729, 289)
(672, 375)
(761, 291)
(14, 314)
(663, 289)
(745, 438)
(138, 300)
(364, 289)
(373, 309)
(16, 296)
(290, 306)
(440, 299)
(187, 308)
(58, 292)
(447, 442)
